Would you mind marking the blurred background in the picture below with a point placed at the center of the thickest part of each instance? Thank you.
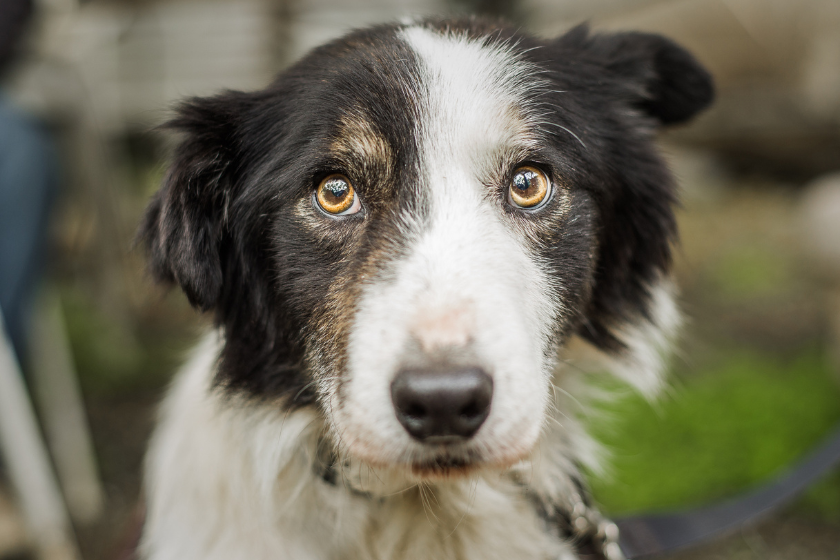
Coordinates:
(755, 385)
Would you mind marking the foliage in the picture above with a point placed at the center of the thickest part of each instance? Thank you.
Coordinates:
(724, 430)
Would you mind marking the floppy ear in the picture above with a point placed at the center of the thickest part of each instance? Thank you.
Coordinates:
(204, 231)
(661, 78)
(184, 227)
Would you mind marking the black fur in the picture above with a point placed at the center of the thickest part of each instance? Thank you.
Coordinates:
(224, 225)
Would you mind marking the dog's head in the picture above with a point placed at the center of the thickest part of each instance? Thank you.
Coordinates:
(407, 224)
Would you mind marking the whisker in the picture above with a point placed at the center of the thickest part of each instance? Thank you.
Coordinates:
(560, 126)
(568, 394)
(469, 508)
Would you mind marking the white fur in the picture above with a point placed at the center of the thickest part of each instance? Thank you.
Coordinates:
(649, 344)
(228, 481)
(231, 481)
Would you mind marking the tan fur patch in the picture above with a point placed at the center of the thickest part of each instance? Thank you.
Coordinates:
(359, 141)
(447, 327)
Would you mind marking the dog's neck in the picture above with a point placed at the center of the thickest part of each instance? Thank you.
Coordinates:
(257, 486)
(575, 519)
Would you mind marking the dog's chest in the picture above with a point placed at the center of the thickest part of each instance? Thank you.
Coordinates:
(470, 521)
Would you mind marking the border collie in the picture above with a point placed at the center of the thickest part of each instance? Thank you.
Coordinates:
(403, 241)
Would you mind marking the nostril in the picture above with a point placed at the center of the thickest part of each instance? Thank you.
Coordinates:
(471, 410)
(415, 411)
(442, 403)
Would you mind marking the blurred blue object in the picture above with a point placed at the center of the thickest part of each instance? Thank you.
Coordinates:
(28, 184)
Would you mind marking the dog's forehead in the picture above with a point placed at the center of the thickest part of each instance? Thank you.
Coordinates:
(476, 89)
(477, 109)
(433, 97)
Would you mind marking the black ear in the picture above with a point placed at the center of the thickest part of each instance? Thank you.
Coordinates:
(662, 79)
(183, 227)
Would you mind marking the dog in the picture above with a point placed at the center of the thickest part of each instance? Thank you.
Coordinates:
(404, 241)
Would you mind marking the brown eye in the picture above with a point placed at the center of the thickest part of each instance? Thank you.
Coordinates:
(336, 196)
(528, 187)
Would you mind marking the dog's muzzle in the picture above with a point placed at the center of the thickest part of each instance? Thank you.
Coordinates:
(438, 406)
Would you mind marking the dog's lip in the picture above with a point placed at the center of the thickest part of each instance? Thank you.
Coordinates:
(444, 462)
(448, 465)
(446, 458)
(444, 440)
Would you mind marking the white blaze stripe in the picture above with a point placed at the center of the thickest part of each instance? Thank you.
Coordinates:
(477, 99)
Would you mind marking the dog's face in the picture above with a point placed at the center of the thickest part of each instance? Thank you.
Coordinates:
(407, 224)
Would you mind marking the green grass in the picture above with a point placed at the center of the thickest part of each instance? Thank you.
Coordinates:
(722, 431)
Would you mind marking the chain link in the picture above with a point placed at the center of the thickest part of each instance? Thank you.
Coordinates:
(588, 524)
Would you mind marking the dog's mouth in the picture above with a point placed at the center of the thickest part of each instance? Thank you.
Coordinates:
(444, 467)
(444, 459)
(431, 464)
(449, 463)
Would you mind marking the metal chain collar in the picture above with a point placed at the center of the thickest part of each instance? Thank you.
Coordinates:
(595, 535)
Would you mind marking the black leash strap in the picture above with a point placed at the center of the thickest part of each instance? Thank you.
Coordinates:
(650, 535)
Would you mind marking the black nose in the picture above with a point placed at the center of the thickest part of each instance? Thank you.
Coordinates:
(442, 405)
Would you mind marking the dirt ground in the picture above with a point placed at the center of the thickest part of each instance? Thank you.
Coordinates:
(783, 537)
